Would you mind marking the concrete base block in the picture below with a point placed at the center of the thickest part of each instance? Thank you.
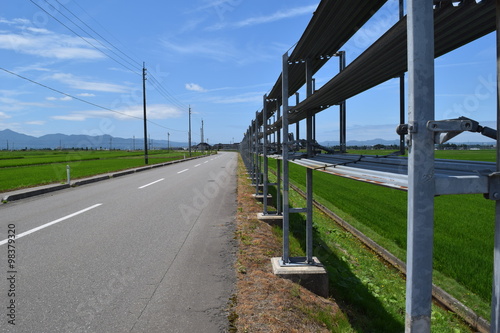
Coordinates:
(260, 197)
(311, 277)
(271, 218)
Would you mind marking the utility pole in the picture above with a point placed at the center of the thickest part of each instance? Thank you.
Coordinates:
(145, 121)
(168, 142)
(133, 143)
(189, 132)
(202, 139)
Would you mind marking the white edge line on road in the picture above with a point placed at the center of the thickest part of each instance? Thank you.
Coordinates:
(156, 181)
(51, 223)
(183, 171)
(197, 165)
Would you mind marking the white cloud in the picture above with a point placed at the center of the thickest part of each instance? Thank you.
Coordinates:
(36, 122)
(10, 104)
(82, 84)
(154, 111)
(15, 21)
(44, 43)
(277, 16)
(195, 87)
(216, 49)
(86, 95)
(32, 67)
(65, 98)
(72, 117)
(251, 97)
(3, 115)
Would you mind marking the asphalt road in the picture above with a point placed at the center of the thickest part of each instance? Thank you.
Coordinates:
(147, 252)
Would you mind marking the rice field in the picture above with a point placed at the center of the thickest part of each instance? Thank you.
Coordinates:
(21, 169)
(463, 229)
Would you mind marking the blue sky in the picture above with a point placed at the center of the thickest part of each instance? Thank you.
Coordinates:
(218, 56)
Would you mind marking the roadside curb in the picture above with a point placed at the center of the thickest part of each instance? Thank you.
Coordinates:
(28, 193)
(24, 195)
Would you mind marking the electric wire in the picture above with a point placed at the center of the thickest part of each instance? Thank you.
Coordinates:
(156, 84)
(84, 39)
(166, 94)
(100, 36)
(109, 33)
(85, 101)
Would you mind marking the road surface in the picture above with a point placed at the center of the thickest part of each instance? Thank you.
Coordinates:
(147, 252)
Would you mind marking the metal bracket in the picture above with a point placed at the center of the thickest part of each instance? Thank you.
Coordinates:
(493, 186)
(448, 129)
(402, 129)
(452, 125)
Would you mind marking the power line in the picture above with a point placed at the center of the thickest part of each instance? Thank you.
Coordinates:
(84, 39)
(109, 33)
(98, 34)
(66, 94)
(166, 94)
(156, 83)
(83, 100)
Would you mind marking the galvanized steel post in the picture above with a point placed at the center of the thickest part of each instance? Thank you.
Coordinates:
(265, 189)
(401, 93)
(495, 298)
(278, 165)
(257, 157)
(309, 172)
(284, 126)
(421, 184)
(342, 111)
(297, 124)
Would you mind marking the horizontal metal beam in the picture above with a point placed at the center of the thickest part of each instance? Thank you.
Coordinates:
(451, 176)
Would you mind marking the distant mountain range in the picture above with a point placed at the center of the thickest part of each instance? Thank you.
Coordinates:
(362, 143)
(16, 141)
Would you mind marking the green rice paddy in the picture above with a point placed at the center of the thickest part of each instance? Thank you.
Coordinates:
(463, 227)
(21, 169)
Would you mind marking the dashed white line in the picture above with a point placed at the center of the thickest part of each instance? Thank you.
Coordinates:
(183, 171)
(205, 162)
(156, 181)
(26, 233)
(197, 165)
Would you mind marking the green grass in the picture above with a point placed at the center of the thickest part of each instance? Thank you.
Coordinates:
(464, 224)
(368, 291)
(27, 169)
(487, 155)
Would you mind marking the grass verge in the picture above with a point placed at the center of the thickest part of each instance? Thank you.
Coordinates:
(365, 294)
(263, 301)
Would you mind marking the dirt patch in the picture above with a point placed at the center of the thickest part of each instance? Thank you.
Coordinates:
(264, 302)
